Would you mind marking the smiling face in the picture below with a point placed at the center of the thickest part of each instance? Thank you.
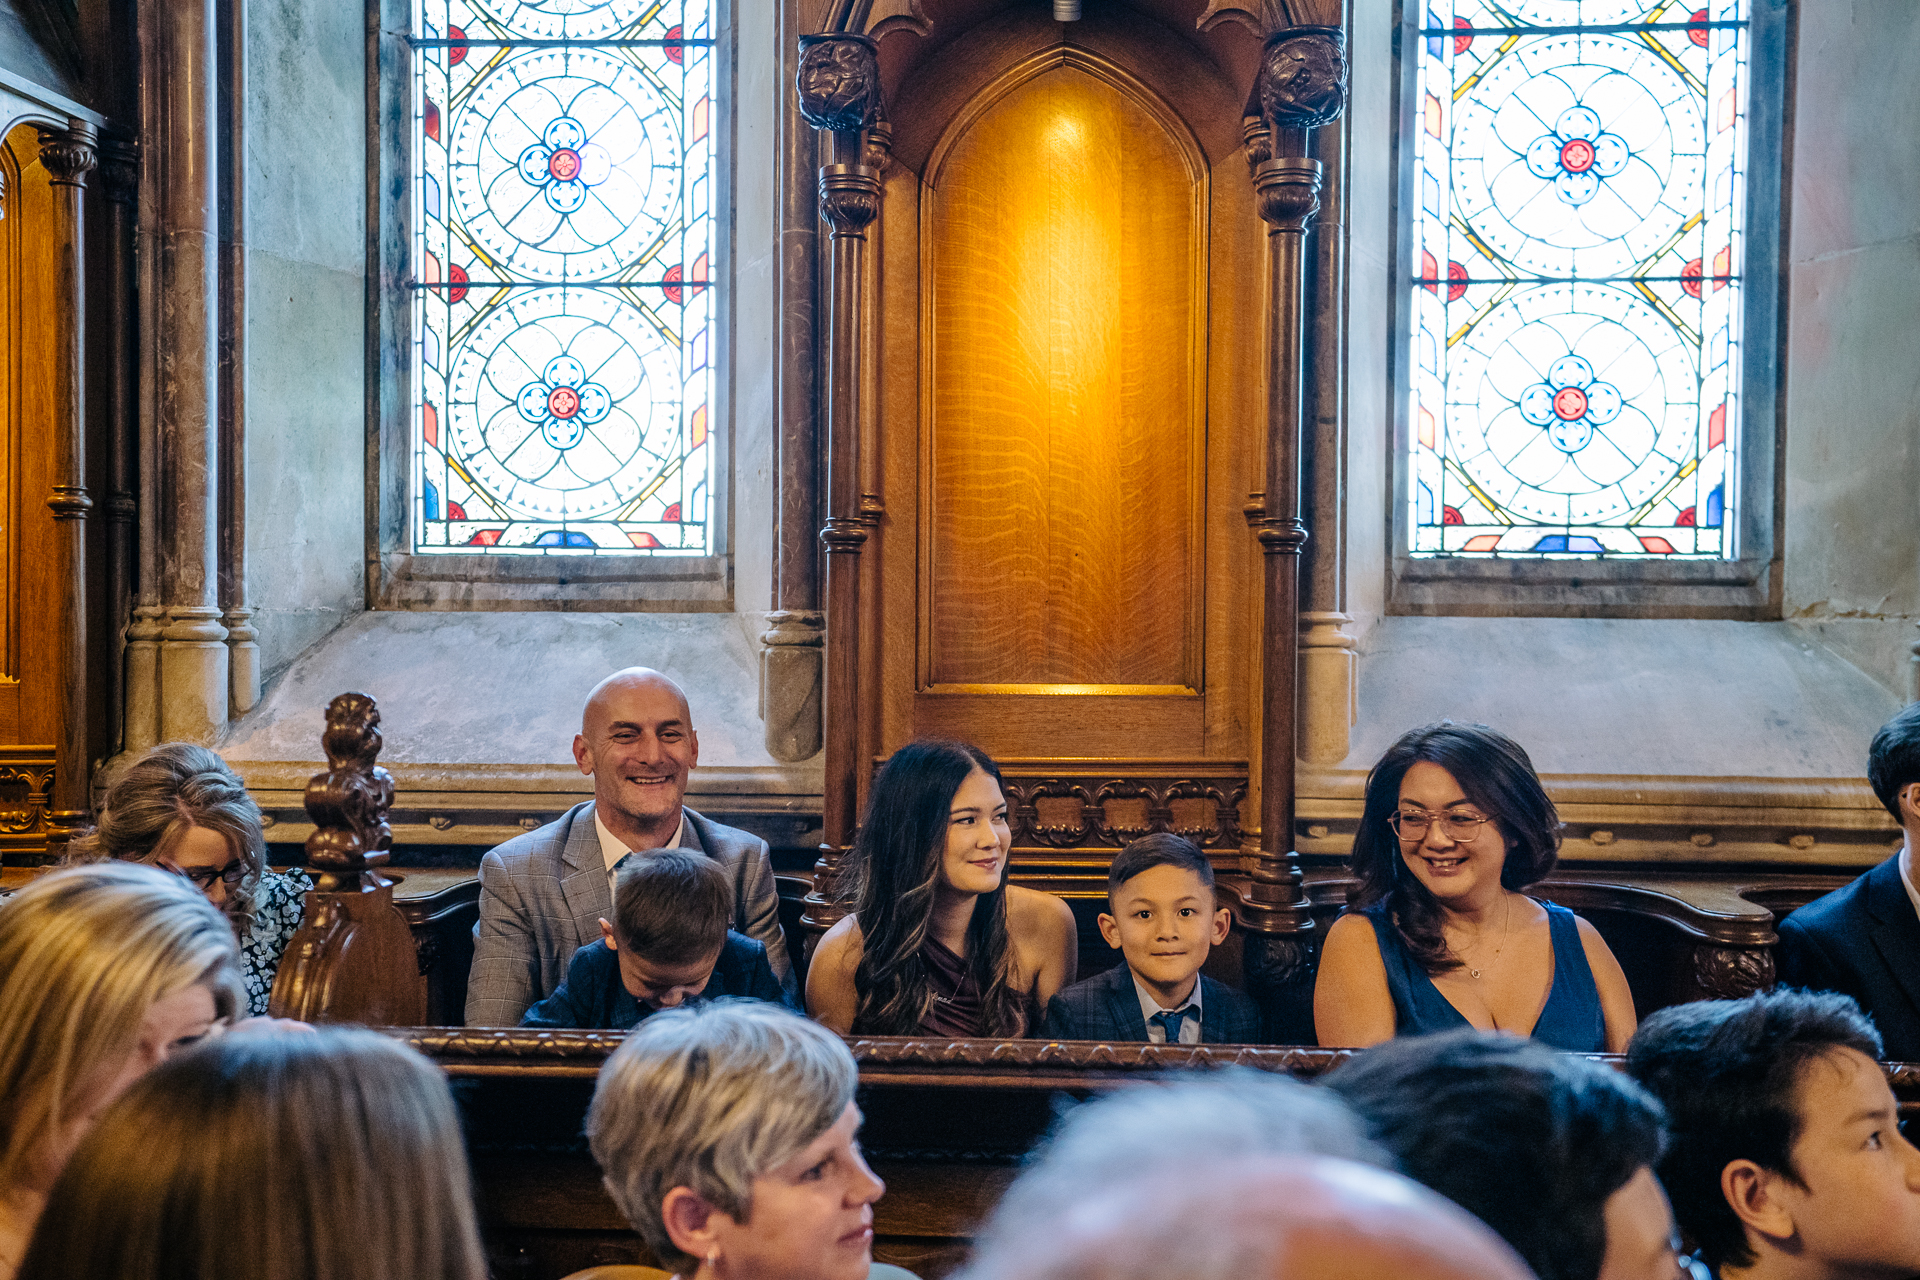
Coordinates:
(977, 836)
(637, 742)
(1164, 921)
(1463, 871)
(812, 1217)
(1856, 1204)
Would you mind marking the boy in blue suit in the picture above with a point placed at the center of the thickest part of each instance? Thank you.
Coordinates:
(669, 945)
(1163, 920)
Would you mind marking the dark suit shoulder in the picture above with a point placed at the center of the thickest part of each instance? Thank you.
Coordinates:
(1227, 997)
(1837, 910)
(744, 971)
(587, 997)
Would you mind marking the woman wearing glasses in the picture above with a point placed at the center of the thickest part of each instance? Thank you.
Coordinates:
(1442, 934)
(179, 807)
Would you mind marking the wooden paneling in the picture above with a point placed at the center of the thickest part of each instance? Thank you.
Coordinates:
(1064, 240)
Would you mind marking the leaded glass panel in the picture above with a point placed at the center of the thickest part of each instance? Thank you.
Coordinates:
(1578, 171)
(563, 255)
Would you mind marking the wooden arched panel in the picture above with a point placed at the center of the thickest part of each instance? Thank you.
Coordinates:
(1064, 265)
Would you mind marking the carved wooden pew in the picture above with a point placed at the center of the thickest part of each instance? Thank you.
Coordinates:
(947, 1124)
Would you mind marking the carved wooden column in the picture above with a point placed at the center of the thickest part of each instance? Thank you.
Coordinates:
(119, 180)
(1301, 85)
(839, 87)
(69, 155)
(353, 958)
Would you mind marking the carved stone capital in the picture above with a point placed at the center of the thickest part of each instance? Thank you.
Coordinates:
(70, 154)
(120, 170)
(876, 151)
(849, 197)
(795, 627)
(1287, 193)
(120, 507)
(1731, 973)
(1303, 77)
(1282, 537)
(69, 502)
(839, 81)
(844, 535)
(1258, 141)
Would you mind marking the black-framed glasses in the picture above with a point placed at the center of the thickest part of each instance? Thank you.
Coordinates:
(202, 878)
(1412, 824)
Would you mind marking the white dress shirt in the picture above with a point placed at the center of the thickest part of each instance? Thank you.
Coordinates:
(1157, 1034)
(612, 849)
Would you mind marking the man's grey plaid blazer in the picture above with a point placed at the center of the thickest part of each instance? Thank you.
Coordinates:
(543, 894)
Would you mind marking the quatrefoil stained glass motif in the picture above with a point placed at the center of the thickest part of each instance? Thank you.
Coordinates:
(1574, 362)
(562, 259)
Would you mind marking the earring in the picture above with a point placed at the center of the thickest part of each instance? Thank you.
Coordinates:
(713, 1257)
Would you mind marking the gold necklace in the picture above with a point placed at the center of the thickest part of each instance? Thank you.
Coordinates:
(1506, 920)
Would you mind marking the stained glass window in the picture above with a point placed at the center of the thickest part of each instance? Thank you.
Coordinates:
(563, 256)
(1578, 197)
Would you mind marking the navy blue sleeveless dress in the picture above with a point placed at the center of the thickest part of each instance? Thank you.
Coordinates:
(1572, 1019)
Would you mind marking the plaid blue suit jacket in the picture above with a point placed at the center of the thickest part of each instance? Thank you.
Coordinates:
(543, 895)
(1106, 1007)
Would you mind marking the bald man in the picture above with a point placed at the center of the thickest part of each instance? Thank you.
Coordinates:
(545, 894)
(1251, 1217)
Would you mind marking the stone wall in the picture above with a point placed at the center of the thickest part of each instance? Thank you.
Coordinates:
(1852, 376)
(305, 153)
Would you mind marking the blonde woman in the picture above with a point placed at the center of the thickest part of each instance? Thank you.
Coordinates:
(105, 972)
(727, 1134)
(180, 808)
(348, 1139)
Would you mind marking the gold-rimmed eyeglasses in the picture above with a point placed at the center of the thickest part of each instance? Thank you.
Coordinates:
(1412, 824)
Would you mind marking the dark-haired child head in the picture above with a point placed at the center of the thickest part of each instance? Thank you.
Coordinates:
(670, 914)
(1552, 1151)
(1787, 1157)
(1161, 914)
(1893, 767)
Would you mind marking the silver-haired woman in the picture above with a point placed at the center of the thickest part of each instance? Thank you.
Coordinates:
(180, 807)
(727, 1134)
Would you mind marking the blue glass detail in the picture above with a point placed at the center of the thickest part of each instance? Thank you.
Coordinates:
(1716, 507)
(1436, 45)
(1426, 503)
(560, 538)
(432, 499)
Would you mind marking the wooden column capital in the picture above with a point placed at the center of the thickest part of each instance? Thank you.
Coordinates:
(69, 153)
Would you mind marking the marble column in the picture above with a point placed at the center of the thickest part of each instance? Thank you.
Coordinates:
(243, 649)
(118, 177)
(69, 155)
(179, 63)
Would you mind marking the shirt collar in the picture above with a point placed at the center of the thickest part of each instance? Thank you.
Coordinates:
(612, 849)
(1150, 1006)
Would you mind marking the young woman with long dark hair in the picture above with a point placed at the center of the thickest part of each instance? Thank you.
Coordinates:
(1442, 933)
(939, 943)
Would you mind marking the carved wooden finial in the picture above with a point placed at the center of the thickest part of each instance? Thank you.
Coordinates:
(839, 81)
(348, 803)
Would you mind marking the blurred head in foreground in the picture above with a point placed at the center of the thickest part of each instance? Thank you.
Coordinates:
(1251, 1217)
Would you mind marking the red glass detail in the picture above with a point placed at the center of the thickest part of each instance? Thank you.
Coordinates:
(1690, 278)
(430, 424)
(1429, 273)
(485, 538)
(697, 278)
(642, 539)
(671, 514)
(456, 52)
(1482, 542)
(431, 122)
(1717, 426)
(564, 164)
(1577, 155)
(1450, 515)
(1698, 34)
(458, 275)
(1570, 403)
(675, 294)
(1462, 43)
(456, 512)
(676, 54)
(563, 402)
(1722, 267)
(1659, 546)
(1456, 282)
(1685, 519)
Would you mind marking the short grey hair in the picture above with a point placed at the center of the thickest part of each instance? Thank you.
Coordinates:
(710, 1097)
(1115, 1140)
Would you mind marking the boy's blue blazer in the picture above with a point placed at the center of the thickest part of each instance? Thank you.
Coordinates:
(592, 995)
(1106, 1007)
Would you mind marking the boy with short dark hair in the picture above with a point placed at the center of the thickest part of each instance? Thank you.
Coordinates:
(669, 945)
(1786, 1160)
(1163, 920)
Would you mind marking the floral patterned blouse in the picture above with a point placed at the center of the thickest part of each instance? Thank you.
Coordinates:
(277, 903)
